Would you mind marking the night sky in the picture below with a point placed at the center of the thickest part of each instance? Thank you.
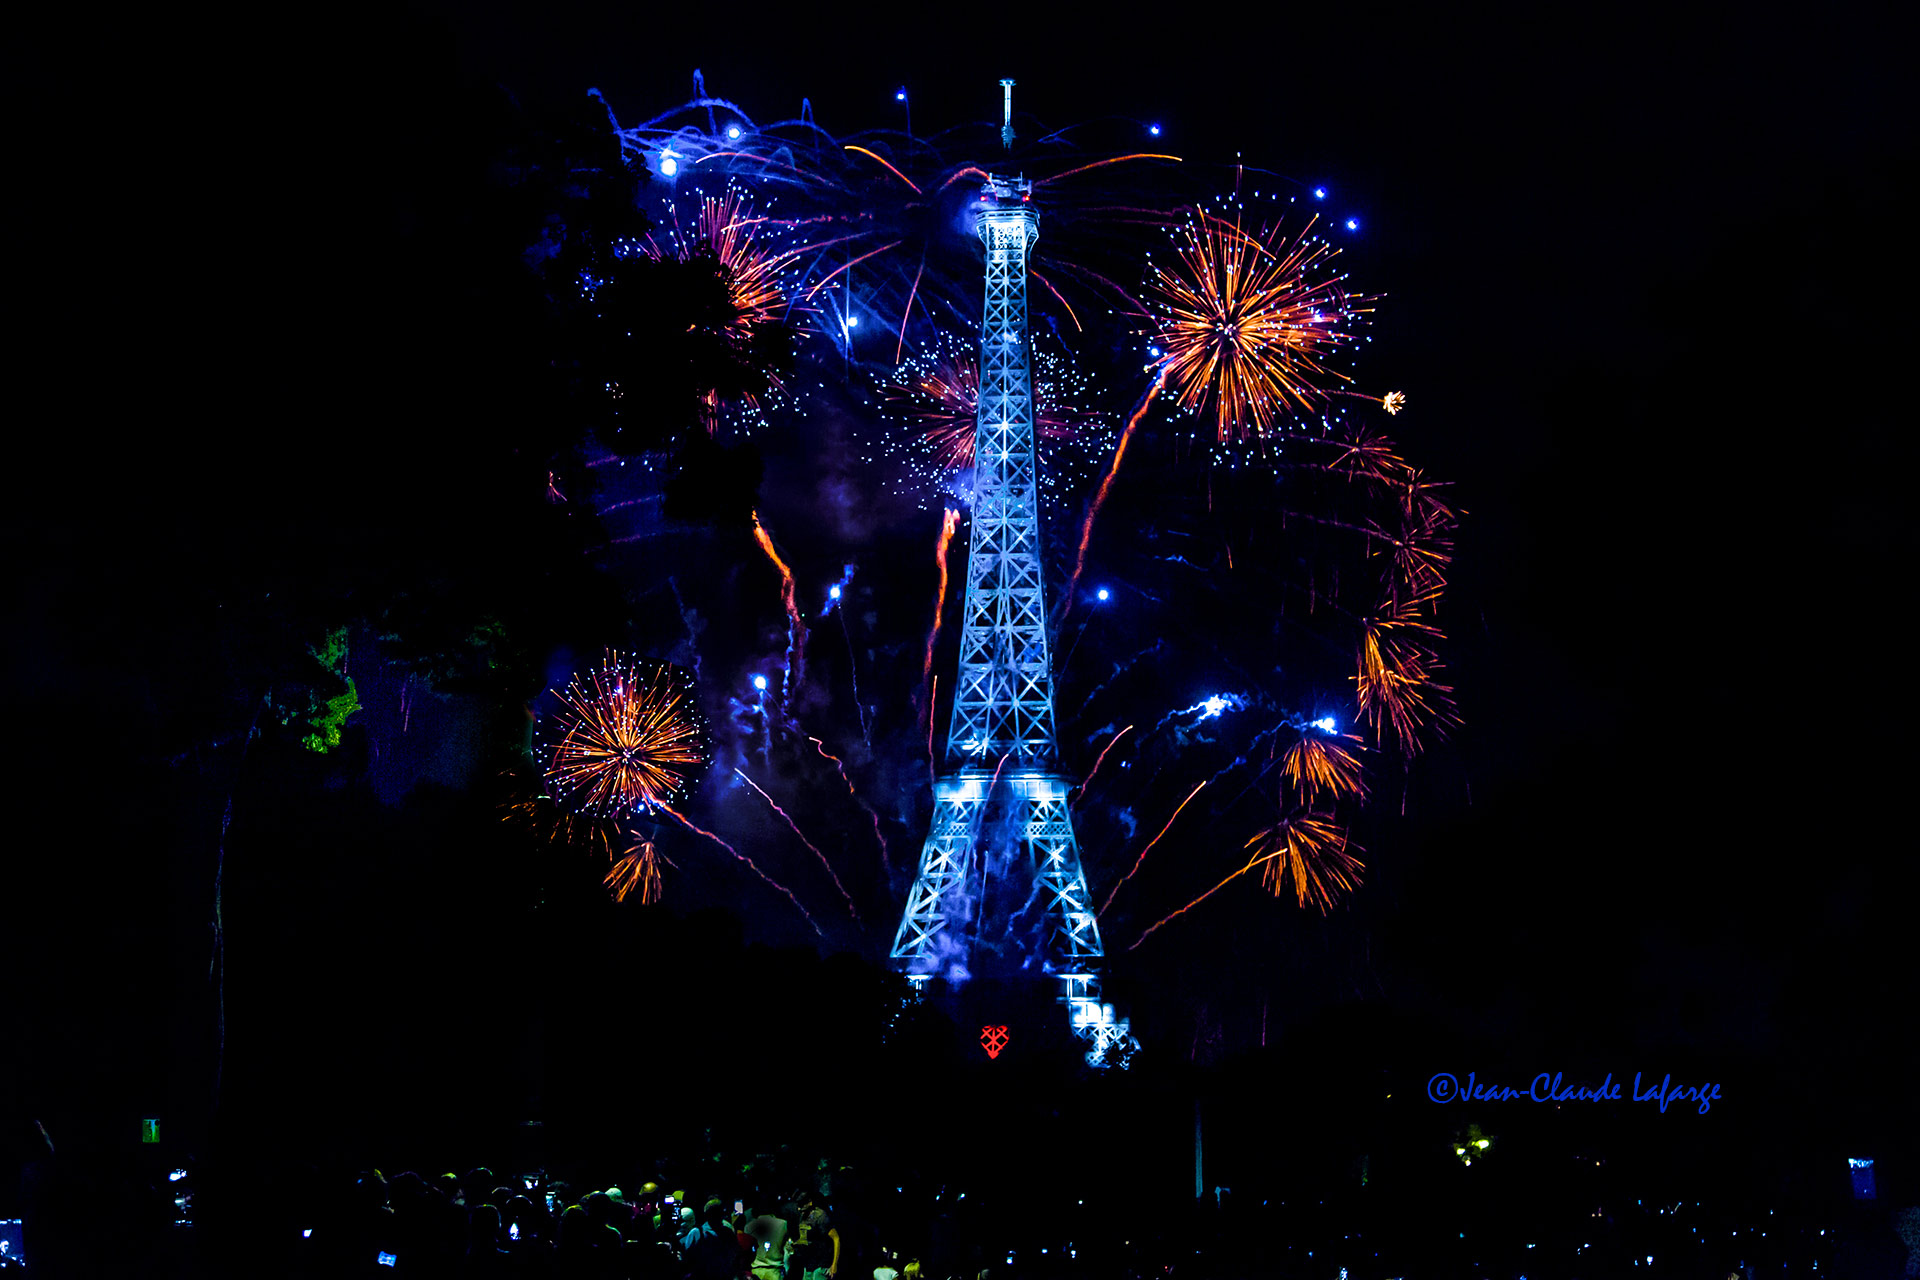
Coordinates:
(1647, 290)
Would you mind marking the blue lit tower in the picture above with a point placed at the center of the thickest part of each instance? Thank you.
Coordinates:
(1000, 803)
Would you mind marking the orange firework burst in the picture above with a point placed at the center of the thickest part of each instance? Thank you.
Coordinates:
(1247, 322)
(638, 872)
(1395, 686)
(726, 226)
(1318, 763)
(1310, 850)
(631, 738)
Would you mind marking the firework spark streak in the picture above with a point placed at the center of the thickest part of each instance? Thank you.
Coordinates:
(796, 629)
(933, 699)
(1144, 852)
(1100, 760)
(631, 738)
(853, 674)
(886, 857)
(751, 865)
(795, 828)
(947, 526)
(1106, 485)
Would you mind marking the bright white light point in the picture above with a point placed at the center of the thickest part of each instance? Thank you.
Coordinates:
(669, 166)
(1215, 705)
(833, 592)
(1319, 193)
(1353, 224)
(853, 322)
(1101, 594)
(900, 96)
(1325, 725)
(760, 683)
(1154, 129)
(733, 131)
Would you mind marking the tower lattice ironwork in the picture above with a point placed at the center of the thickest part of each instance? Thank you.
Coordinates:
(1000, 803)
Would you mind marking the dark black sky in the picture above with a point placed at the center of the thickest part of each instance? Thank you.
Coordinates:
(1647, 285)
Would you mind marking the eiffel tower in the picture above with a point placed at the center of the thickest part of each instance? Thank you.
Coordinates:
(1001, 829)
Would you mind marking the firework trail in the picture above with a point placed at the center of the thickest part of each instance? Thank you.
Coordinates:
(1144, 852)
(1196, 902)
(1101, 759)
(796, 629)
(947, 525)
(933, 699)
(795, 828)
(853, 674)
(751, 865)
(1106, 486)
(886, 857)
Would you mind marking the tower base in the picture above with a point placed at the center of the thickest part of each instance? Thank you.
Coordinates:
(1000, 893)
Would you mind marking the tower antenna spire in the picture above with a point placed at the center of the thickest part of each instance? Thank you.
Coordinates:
(1006, 118)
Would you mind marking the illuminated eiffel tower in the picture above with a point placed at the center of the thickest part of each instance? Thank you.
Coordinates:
(1000, 814)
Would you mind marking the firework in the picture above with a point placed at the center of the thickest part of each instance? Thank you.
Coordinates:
(637, 872)
(630, 740)
(1395, 685)
(1248, 322)
(1316, 763)
(1307, 848)
(728, 228)
(1310, 850)
(545, 820)
(1394, 401)
(931, 403)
